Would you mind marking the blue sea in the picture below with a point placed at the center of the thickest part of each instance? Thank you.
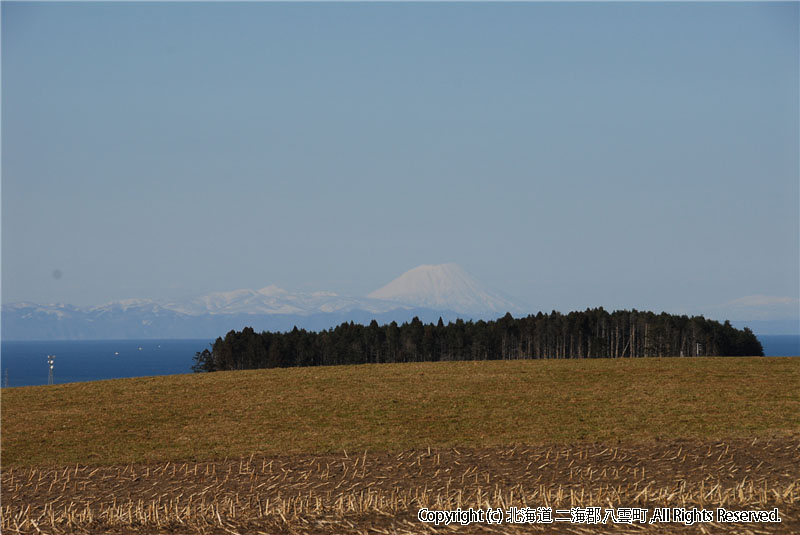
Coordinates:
(93, 360)
(25, 363)
(780, 345)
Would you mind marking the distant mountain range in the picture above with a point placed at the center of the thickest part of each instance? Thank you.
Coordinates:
(428, 291)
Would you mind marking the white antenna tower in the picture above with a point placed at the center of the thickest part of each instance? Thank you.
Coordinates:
(50, 361)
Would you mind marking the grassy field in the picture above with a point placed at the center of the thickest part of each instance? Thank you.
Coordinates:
(394, 407)
(360, 449)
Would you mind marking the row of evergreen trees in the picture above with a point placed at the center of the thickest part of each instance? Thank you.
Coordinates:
(594, 333)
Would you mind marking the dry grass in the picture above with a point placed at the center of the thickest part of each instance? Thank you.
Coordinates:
(146, 455)
(381, 493)
(398, 406)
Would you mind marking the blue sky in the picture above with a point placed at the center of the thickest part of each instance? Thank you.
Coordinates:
(570, 155)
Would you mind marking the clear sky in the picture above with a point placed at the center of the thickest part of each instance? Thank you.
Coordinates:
(570, 155)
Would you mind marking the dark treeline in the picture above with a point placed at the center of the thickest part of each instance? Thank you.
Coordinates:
(594, 333)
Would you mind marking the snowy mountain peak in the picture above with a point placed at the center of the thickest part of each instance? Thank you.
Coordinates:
(445, 287)
(272, 290)
(428, 291)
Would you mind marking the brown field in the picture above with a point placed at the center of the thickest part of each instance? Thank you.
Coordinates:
(382, 492)
(360, 449)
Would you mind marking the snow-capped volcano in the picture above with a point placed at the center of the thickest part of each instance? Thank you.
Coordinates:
(444, 287)
(428, 292)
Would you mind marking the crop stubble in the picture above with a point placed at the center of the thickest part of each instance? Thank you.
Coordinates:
(357, 492)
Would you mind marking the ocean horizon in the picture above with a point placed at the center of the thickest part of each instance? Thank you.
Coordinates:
(24, 363)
